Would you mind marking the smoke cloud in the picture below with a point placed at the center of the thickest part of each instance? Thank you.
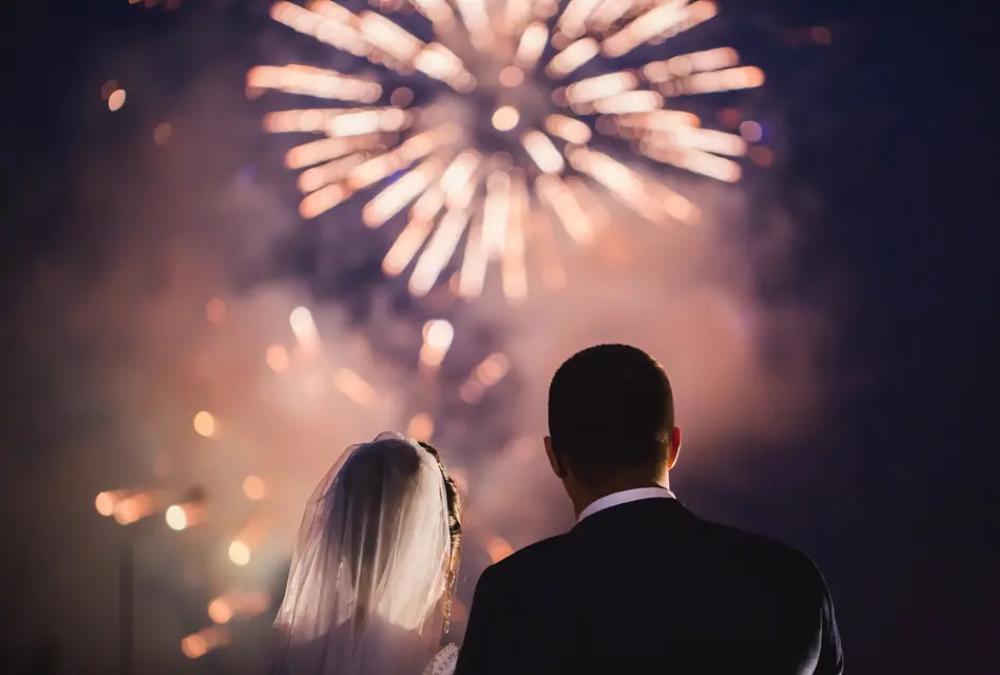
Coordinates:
(123, 353)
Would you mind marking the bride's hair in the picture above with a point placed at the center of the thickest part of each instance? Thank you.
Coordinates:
(454, 523)
(372, 579)
(388, 468)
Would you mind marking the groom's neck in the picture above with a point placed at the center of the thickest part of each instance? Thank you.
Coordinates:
(582, 495)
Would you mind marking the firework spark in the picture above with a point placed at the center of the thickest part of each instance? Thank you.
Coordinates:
(485, 131)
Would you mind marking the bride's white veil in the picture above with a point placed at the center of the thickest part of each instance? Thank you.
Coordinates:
(369, 580)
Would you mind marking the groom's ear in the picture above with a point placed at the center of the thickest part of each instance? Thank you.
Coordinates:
(557, 466)
(674, 448)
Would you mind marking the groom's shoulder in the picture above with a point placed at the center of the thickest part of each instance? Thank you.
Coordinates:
(751, 549)
(528, 560)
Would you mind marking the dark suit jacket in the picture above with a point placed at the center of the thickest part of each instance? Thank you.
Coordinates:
(648, 587)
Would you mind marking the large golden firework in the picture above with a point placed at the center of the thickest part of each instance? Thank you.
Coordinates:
(486, 129)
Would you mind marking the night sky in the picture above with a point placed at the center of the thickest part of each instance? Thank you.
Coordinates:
(886, 166)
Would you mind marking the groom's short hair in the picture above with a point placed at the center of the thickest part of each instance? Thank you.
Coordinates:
(610, 408)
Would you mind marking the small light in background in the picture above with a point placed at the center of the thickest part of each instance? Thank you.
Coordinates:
(511, 76)
(105, 502)
(492, 369)
(239, 553)
(225, 608)
(421, 427)
(751, 131)
(277, 358)
(134, 508)
(204, 423)
(176, 517)
(498, 548)
(196, 645)
(220, 611)
(116, 100)
(254, 488)
(401, 97)
(215, 310)
(762, 156)
(505, 118)
(162, 133)
(182, 516)
(730, 117)
(304, 328)
(243, 544)
(438, 334)
(821, 35)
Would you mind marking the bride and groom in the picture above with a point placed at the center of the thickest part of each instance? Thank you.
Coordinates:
(639, 585)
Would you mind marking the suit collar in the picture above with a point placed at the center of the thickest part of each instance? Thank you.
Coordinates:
(634, 511)
(625, 497)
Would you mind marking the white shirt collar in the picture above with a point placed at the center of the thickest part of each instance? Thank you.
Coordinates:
(624, 497)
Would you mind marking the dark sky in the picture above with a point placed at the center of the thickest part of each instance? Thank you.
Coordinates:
(891, 175)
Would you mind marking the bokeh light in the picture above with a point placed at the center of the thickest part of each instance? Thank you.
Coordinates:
(420, 427)
(196, 645)
(220, 611)
(438, 335)
(505, 118)
(751, 131)
(105, 503)
(205, 424)
(498, 548)
(162, 133)
(116, 100)
(135, 507)
(277, 358)
(176, 517)
(215, 310)
(184, 515)
(239, 553)
(304, 328)
(254, 488)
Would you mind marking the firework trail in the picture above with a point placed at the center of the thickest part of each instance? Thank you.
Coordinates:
(503, 123)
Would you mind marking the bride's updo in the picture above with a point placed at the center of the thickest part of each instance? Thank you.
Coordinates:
(370, 586)
(373, 497)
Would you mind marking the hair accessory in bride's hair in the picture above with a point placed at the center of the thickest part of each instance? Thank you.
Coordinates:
(454, 527)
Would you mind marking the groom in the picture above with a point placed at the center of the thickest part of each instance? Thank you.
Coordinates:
(641, 584)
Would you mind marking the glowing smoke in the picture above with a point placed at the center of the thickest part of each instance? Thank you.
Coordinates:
(122, 328)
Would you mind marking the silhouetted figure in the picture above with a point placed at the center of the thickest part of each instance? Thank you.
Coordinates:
(641, 584)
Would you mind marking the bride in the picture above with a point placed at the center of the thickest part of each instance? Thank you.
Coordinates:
(370, 586)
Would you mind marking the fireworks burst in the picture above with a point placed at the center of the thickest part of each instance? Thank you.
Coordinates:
(504, 118)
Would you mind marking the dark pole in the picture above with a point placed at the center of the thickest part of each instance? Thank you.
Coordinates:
(125, 604)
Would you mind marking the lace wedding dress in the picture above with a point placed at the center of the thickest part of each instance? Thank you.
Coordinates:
(444, 662)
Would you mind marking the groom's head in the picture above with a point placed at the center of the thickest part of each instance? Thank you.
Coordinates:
(611, 420)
